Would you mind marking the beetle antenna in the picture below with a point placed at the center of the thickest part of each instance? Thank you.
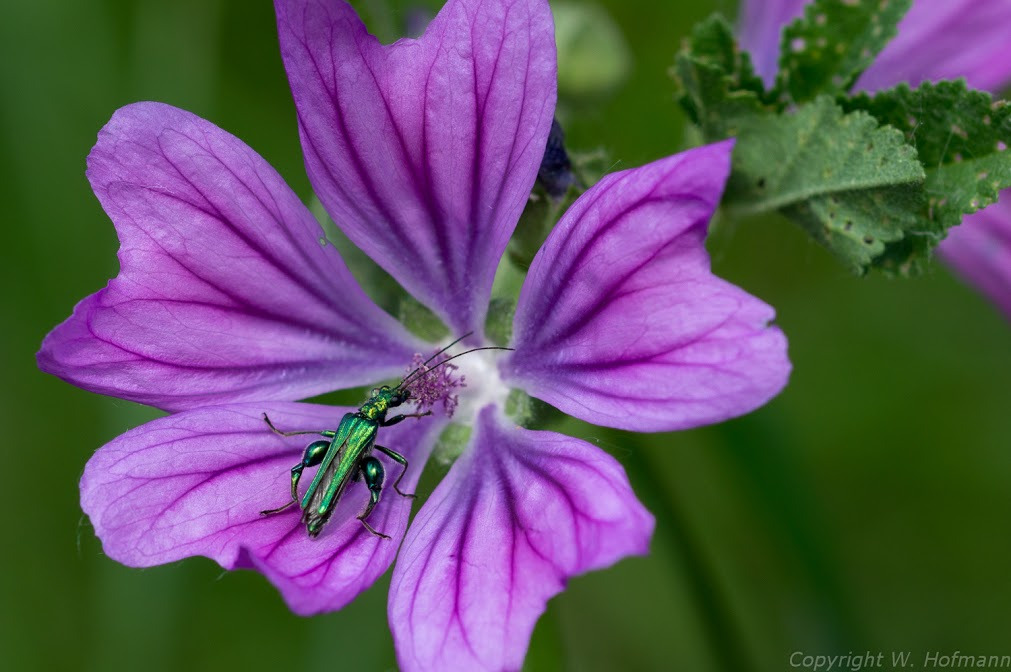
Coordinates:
(450, 359)
(425, 363)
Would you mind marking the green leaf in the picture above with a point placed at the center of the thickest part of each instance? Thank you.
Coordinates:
(717, 84)
(876, 179)
(713, 43)
(862, 227)
(961, 137)
(853, 185)
(825, 51)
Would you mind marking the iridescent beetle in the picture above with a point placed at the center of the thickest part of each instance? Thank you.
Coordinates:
(345, 455)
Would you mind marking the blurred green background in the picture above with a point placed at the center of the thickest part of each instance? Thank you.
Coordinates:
(866, 508)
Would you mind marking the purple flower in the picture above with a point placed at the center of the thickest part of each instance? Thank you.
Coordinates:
(228, 305)
(937, 39)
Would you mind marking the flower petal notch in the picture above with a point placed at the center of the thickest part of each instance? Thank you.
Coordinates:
(620, 321)
(517, 515)
(424, 152)
(225, 291)
(194, 483)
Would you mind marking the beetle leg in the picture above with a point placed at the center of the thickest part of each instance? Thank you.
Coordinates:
(372, 470)
(311, 457)
(403, 416)
(324, 432)
(399, 459)
(372, 529)
(270, 512)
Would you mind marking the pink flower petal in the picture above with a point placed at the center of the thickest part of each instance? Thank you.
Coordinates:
(620, 321)
(225, 292)
(425, 151)
(937, 39)
(194, 483)
(980, 251)
(947, 39)
(516, 516)
(761, 30)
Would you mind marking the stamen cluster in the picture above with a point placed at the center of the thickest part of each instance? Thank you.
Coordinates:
(431, 384)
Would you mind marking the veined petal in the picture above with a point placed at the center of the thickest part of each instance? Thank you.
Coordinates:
(225, 292)
(937, 39)
(194, 483)
(947, 39)
(980, 251)
(620, 321)
(425, 151)
(516, 516)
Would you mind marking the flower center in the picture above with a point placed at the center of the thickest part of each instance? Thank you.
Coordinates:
(462, 387)
(484, 384)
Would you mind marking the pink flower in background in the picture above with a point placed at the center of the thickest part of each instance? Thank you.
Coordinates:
(227, 306)
(937, 39)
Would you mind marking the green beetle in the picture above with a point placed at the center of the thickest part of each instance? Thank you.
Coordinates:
(345, 454)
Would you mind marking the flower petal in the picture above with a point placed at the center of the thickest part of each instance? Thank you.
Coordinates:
(225, 292)
(947, 39)
(620, 321)
(425, 151)
(937, 39)
(516, 516)
(761, 31)
(980, 251)
(194, 483)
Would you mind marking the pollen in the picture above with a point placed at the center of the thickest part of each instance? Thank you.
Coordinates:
(435, 383)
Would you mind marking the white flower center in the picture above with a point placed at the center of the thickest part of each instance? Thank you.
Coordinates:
(484, 384)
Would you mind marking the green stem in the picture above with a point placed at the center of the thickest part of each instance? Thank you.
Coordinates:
(722, 633)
